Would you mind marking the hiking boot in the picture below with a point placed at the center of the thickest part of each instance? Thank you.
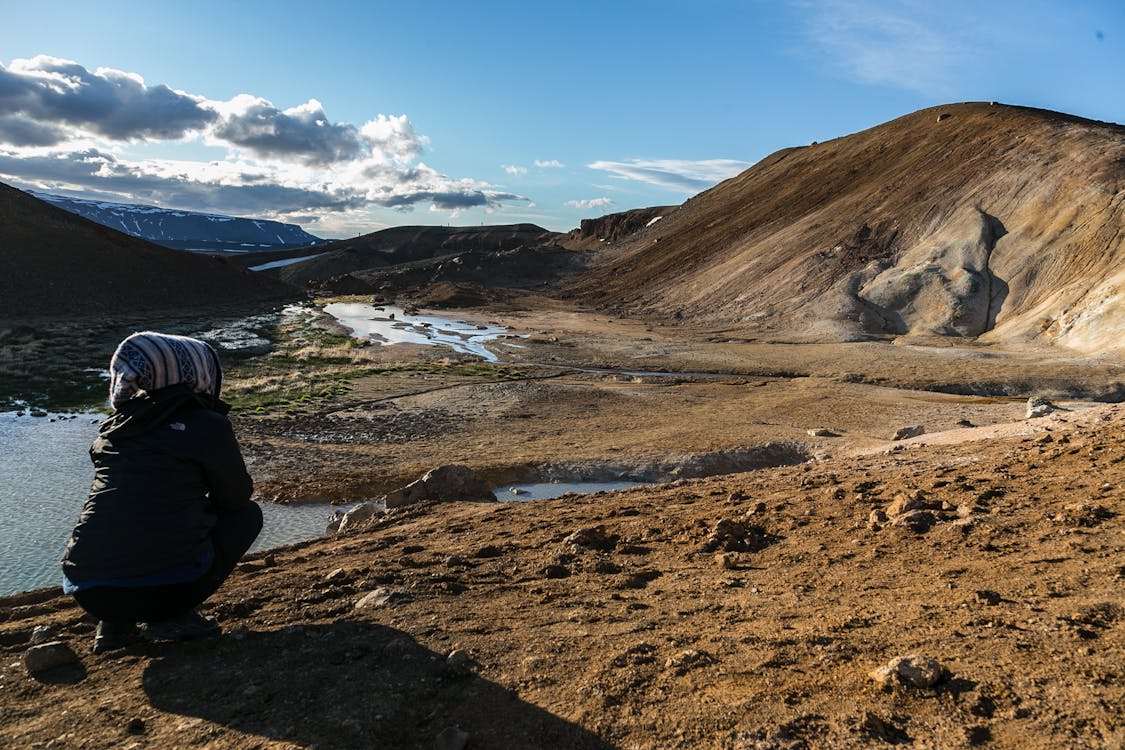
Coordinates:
(183, 628)
(110, 635)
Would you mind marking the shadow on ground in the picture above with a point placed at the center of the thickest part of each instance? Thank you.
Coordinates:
(347, 685)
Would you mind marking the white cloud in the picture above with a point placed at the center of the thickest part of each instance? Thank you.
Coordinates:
(591, 203)
(901, 43)
(676, 174)
(64, 129)
(514, 169)
(549, 164)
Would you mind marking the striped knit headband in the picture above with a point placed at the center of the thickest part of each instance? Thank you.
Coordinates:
(149, 361)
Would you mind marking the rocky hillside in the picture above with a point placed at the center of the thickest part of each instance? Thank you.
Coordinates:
(187, 230)
(615, 227)
(967, 220)
(411, 244)
(59, 265)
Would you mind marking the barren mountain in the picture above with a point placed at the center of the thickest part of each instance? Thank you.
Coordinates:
(399, 245)
(57, 264)
(967, 220)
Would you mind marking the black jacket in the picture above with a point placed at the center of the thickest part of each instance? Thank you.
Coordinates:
(165, 465)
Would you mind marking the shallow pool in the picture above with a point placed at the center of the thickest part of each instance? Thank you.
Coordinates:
(548, 490)
(45, 474)
(389, 324)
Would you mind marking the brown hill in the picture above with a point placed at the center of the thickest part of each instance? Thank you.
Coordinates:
(59, 265)
(966, 220)
(411, 244)
(591, 233)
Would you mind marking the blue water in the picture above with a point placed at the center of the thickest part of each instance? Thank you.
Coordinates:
(548, 490)
(45, 473)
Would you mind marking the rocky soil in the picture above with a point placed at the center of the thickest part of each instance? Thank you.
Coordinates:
(741, 611)
(958, 588)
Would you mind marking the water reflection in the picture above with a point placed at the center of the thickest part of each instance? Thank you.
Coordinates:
(389, 324)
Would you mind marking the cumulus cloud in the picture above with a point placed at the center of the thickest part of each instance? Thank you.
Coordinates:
(62, 128)
(514, 169)
(676, 174)
(303, 133)
(549, 164)
(393, 136)
(106, 102)
(591, 203)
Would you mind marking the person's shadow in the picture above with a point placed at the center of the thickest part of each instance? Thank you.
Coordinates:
(347, 684)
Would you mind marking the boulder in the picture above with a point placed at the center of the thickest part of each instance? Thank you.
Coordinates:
(353, 517)
(443, 484)
(47, 656)
(903, 433)
(1038, 406)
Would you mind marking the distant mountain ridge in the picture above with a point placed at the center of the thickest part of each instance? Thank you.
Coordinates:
(59, 265)
(186, 230)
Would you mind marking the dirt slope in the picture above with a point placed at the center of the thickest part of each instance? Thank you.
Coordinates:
(57, 264)
(407, 245)
(961, 220)
(743, 611)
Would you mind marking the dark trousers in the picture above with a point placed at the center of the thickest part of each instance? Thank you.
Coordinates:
(232, 536)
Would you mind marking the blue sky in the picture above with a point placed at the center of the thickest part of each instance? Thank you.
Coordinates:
(348, 117)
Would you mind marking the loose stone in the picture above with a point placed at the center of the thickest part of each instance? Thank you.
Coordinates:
(47, 656)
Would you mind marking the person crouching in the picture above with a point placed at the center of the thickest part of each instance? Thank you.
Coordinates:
(169, 512)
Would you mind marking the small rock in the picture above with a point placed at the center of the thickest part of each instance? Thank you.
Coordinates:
(355, 517)
(517, 490)
(380, 597)
(451, 738)
(593, 537)
(877, 517)
(688, 660)
(759, 507)
(48, 655)
(727, 560)
(822, 432)
(135, 725)
(454, 561)
(905, 502)
(38, 413)
(986, 596)
(903, 433)
(918, 521)
(458, 659)
(335, 574)
(41, 634)
(556, 571)
(912, 671)
(1039, 406)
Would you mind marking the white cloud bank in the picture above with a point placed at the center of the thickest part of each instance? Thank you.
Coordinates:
(676, 174)
(63, 128)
